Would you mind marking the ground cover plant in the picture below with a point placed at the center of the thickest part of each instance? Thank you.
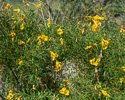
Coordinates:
(48, 52)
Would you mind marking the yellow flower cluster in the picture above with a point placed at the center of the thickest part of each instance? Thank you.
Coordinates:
(105, 93)
(105, 43)
(94, 62)
(6, 7)
(123, 68)
(44, 38)
(96, 20)
(49, 23)
(12, 34)
(64, 91)
(10, 95)
(58, 66)
(53, 55)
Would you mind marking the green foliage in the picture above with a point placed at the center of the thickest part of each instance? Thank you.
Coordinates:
(33, 51)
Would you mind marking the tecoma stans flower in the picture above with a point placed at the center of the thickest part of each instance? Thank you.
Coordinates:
(53, 55)
(105, 43)
(105, 93)
(60, 31)
(64, 91)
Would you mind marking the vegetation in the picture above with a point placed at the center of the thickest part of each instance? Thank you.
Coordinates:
(63, 50)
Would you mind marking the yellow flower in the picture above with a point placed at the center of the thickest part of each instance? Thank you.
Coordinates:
(94, 27)
(64, 91)
(53, 55)
(59, 31)
(121, 80)
(37, 78)
(48, 24)
(93, 62)
(123, 69)
(21, 42)
(20, 62)
(12, 33)
(34, 87)
(48, 19)
(10, 96)
(26, 5)
(45, 38)
(88, 47)
(7, 6)
(39, 5)
(28, 40)
(61, 40)
(39, 42)
(104, 44)
(58, 66)
(21, 27)
(17, 10)
(97, 62)
(122, 30)
(14, 22)
(105, 93)
(95, 43)
(90, 24)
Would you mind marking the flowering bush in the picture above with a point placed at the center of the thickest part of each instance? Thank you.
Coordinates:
(35, 50)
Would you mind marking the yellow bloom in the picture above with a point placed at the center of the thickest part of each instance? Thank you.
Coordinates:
(48, 24)
(93, 62)
(34, 87)
(21, 42)
(64, 91)
(10, 96)
(58, 66)
(45, 38)
(17, 10)
(97, 62)
(104, 44)
(121, 80)
(105, 93)
(28, 40)
(12, 33)
(61, 40)
(7, 6)
(95, 43)
(14, 22)
(94, 27)
(122, 30)
(123, 69)
(88, 47)
(59, 31)
(48, 19)
(53, 55)
(26, 5)
(90, 24)
(37, 78)
(39, 42)
(20, 62)
(21, 27)
(39, 5)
